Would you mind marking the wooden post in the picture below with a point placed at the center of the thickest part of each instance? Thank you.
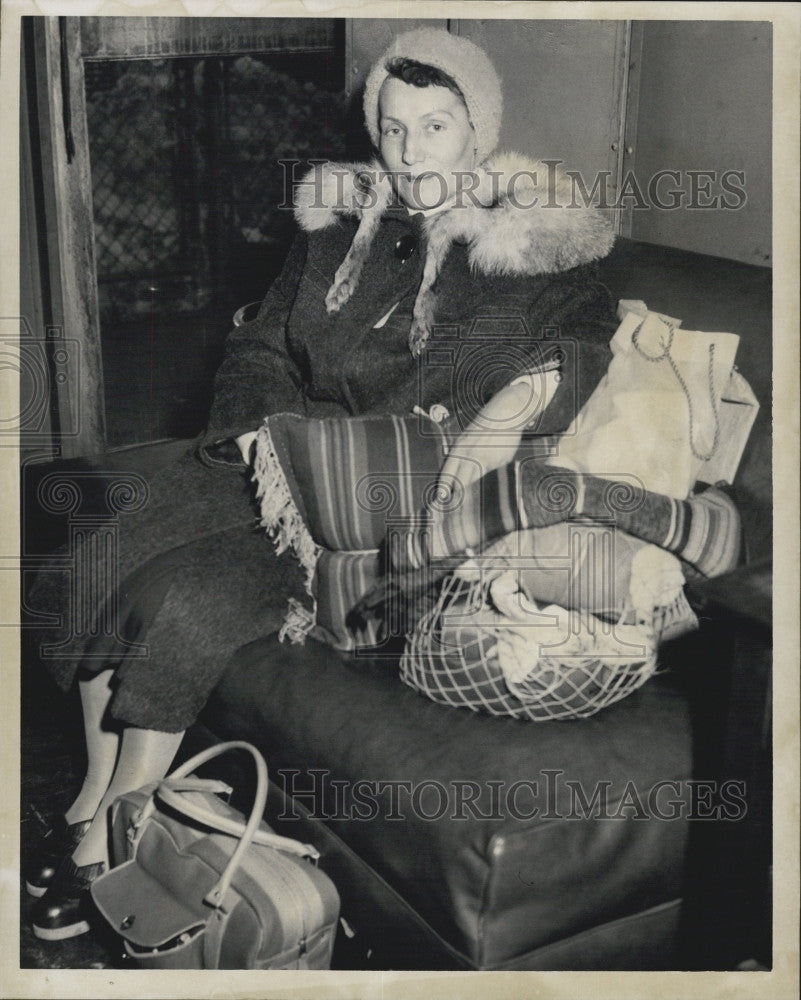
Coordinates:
(76, 362)
(36, 438)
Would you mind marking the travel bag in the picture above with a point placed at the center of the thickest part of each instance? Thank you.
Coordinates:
(198, 887)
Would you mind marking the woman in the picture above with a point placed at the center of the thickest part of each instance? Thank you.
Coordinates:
(407, 287)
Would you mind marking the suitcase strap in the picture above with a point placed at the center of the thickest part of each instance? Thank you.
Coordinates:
(170, 790)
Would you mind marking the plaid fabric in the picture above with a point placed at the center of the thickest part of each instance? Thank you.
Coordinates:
(454, 657)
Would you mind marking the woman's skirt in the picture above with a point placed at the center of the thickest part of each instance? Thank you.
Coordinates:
(163, 579)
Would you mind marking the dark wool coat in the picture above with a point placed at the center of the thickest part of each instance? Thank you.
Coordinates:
(198, 577)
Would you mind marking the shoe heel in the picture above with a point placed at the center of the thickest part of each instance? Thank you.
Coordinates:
(64, 910)
(58, 844)
(60, 933)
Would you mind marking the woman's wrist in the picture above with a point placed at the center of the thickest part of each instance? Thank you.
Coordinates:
(245, 443)
(224, 452)
(229, 451)
(533, 392)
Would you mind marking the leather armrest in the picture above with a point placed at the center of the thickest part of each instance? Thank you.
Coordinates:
(745, 593)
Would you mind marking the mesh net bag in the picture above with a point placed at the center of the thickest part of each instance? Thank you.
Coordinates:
(544, 664)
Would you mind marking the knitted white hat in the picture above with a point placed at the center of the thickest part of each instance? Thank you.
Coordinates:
(466, 64)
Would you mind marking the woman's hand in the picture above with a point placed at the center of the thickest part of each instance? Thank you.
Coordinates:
(244, 442)
(493, 438)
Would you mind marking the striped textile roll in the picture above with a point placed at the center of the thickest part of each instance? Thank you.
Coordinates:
(329, 490)
(705, 532)
(341, 579)
(356, 474)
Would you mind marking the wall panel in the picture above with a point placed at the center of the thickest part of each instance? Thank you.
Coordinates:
(705, 104)
(563, 86)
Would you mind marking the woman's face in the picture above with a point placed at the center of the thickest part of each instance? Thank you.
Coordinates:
(426, 139)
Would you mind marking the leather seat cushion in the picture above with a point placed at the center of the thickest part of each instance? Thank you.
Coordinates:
(484, 838)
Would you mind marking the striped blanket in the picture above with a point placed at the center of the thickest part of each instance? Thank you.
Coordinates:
(330, 489)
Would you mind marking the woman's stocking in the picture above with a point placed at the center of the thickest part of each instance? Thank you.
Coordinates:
(145, 756)
(102, 744)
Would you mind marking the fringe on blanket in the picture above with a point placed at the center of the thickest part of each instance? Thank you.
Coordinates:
(298, 623)
(285, 526)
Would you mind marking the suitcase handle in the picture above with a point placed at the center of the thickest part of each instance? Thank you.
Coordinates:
(247, 832)
(169, 794)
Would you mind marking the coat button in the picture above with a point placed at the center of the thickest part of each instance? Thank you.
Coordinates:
(406, 247)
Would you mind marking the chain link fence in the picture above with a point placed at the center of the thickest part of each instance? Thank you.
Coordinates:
(186, 173)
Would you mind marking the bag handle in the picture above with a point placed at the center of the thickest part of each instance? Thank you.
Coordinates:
(191, 784)
(169, 791)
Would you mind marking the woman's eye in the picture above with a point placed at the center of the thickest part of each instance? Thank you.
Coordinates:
(435, 127)
(392, 131)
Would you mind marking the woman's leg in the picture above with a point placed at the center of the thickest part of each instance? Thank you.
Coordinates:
(102, 746)
(145, 756)
(64, 911)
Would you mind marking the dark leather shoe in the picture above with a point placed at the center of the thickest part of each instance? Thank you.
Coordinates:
(65, 909)
(56, 845)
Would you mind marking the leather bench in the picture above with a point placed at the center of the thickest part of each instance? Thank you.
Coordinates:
(537, 877)
(519, 845)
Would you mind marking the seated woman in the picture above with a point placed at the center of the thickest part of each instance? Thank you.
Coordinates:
(407, 287)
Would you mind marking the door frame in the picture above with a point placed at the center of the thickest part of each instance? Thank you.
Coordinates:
(69, 301)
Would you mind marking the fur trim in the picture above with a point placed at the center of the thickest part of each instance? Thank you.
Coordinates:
(510, 231)
(506, 236)
(520, 219)
(338, 189)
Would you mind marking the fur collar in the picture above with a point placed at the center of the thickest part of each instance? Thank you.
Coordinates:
(505, 221)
